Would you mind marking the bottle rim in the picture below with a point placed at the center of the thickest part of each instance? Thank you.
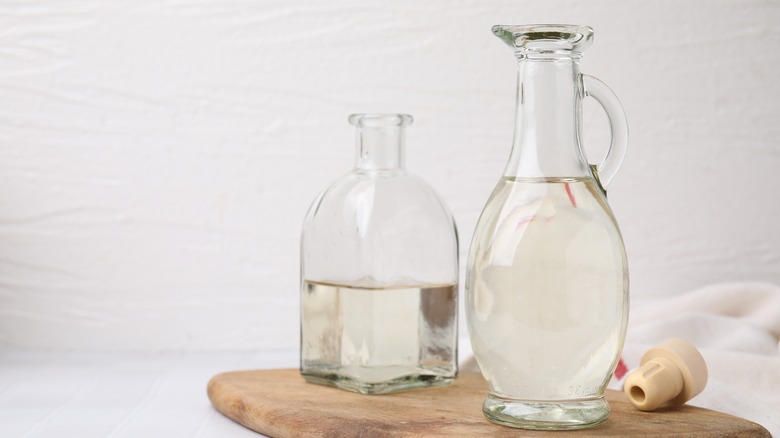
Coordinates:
(376, 120)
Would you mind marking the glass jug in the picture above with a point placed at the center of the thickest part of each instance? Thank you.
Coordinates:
(547, 277)
(379, 273)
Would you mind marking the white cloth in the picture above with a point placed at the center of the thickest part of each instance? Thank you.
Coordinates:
(736, 326)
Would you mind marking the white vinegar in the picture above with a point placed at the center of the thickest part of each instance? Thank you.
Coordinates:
(376, 340)
(547, 287)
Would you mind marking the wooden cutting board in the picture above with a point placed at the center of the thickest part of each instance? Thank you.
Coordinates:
(279, 403)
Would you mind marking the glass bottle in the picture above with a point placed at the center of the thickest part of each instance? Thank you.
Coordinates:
(379, 273)
(547, 277)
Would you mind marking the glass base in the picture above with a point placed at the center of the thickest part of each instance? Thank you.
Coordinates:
(546, 415)
(383, 387)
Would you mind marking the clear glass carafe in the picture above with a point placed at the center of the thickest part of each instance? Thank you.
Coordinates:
(379, 273)
(547, 277)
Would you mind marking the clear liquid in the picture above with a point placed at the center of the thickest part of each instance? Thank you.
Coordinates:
(377, 340)
(547, 291)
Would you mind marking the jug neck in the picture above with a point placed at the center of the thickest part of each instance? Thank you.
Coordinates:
(546, 142)
(380, 140)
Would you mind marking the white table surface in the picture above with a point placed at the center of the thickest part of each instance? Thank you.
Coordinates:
(77, 394)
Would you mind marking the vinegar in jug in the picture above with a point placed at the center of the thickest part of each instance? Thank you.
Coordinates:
(553, 244)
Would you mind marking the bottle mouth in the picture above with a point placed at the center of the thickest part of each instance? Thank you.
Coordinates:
(378, 120)
(546, 39)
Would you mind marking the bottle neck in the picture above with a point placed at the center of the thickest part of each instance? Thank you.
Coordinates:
(547, 120)
(380, 147)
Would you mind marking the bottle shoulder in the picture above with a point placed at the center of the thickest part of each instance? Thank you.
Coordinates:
(397, 189)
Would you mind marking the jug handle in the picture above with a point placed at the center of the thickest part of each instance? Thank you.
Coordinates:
(606, 170)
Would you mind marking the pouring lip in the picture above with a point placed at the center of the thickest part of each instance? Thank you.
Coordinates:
(545, 38)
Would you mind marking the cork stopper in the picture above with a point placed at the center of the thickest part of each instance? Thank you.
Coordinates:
(672, 372)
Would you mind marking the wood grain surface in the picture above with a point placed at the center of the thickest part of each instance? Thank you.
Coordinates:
(279, 403)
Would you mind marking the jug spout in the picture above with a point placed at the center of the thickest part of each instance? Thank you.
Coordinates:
(546, 40)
